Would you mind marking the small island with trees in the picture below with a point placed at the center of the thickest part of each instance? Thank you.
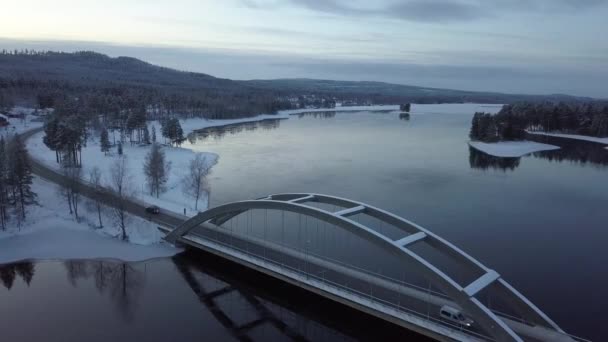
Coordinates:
(512, 121)
(513, 124)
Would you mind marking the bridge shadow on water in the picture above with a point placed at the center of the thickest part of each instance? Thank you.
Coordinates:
(294, 313)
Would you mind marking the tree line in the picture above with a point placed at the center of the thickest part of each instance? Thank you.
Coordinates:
(512, 121)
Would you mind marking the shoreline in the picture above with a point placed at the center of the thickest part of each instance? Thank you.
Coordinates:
(603, 141)
(189, 125)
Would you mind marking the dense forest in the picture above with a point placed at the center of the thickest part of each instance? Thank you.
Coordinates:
(369, 93)
(512, 121)
(117, 85)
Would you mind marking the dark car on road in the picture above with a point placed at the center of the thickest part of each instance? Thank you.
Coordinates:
(153, 209)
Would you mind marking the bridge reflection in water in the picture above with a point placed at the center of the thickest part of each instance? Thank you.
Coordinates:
(370, 260)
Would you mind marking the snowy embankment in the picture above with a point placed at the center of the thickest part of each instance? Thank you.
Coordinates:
(511, 149)
(50, 232)
(603, 141)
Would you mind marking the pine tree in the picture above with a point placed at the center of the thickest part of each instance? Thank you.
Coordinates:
(474, 134)
(3, 184)
(51, 137)
(21, 175)
(146, 135)
(173, 131)
(104, 141)
(156, 170)
(153, 134)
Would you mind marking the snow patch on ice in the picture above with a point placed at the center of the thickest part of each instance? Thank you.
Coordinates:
(511, 149)
(50, 232)
(573, 136)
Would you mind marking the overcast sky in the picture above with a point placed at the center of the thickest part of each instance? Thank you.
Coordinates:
(523, 46)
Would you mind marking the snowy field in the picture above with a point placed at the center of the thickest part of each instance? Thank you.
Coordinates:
(173, 199)
(50, 232)
(511, 149)
(573, 136)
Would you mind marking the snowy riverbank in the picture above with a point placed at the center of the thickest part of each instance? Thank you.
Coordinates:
(50, 232)
(511, 149)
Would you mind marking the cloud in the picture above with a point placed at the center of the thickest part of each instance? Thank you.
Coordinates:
(434, 11)
(430, 10)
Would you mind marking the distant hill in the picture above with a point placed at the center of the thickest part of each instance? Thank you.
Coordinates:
(392, 92)
(124, 83)
(29, 74)
(92, 68)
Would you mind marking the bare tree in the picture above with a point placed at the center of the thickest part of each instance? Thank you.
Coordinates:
(95, 180)
(119, 180)
(156, 170)
(194, 183)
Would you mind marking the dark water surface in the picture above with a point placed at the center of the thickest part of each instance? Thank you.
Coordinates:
(189, 297)
(540, 221)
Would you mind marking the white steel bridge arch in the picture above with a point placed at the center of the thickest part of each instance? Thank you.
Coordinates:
(464, 296)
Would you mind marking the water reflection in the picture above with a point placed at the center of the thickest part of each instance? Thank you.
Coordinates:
(25, 270)
(318, 115)
(210, 299)
(120, 280)
(574, 151)
(229, 303)
(484, 161)
(404, 116)
(253, 307)
(217, 133)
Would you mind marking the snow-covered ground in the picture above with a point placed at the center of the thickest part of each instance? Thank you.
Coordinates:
(50, 232)
(573, 136)
(511, 149)
(173, 199)
(17, 125)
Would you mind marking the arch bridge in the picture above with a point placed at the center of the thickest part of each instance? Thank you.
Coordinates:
(388, 298)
